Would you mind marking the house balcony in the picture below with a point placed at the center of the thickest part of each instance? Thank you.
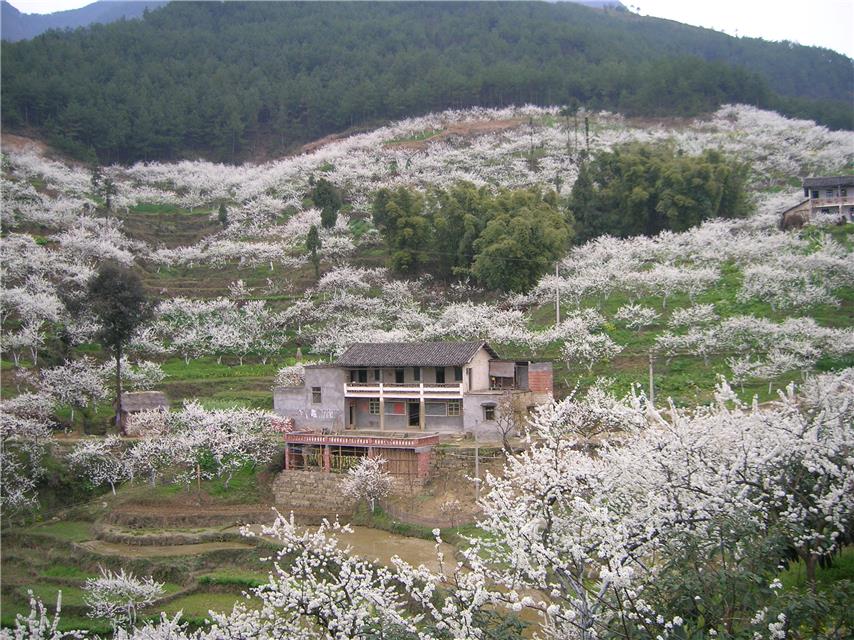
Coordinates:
(410, 390)
(836, 201)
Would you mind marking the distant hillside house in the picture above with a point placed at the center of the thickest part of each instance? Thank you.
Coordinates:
(832, 195)
(136, 401)
(439, 387)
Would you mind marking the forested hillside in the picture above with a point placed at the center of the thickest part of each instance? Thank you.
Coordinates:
(228, 80)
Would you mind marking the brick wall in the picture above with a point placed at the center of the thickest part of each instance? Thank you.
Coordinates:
(540, 377)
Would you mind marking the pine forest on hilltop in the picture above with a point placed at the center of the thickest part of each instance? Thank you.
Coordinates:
(236, 80)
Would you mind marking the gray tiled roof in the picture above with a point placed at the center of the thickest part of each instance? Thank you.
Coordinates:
(829, 181)
(411, 354)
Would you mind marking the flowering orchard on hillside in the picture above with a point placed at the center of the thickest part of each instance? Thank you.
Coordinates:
(619, 520)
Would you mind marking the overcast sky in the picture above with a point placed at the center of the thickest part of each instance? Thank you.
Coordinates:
(823, 23)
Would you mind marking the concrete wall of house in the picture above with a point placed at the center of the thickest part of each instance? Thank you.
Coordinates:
(364, 418)
(297, 402)
(444, 424)
(479, 366)
(287, 401)
(474, 420)
(388, 376)
(396, 422)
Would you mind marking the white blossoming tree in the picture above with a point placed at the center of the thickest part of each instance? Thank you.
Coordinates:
(581, 528)
(318, 590)
(368, 480)
(636, 316)
(24, 441)
(38, 624)
(77, 384)
(102, 461)
(589, 348)
(118, 596)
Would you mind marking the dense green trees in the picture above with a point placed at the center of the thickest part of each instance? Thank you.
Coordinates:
(312, 245)
(118, 301)
(225, 78)
(644, 189)
(327, 197)
(521, 241)
(505, 241)
(407, 230)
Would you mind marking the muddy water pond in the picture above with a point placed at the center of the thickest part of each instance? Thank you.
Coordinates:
(374, 544)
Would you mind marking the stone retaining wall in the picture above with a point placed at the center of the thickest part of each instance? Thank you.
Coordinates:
(312, 495)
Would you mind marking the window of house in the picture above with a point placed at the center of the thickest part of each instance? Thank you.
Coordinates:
(458, 374)
(828, 193)
(489, 412)
(815, 193)
(374, 406)
(843, 192)
(376, 375)
(436, 408)
(398, 376)
(440, 375)
(315, 395)
(395, 408)
(416, 374)
(454, 407)
(362, 375)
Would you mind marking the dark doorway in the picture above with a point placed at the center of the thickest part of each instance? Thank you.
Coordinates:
(414, 414)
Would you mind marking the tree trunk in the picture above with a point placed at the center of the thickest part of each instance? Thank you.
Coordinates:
(119, 424)
(811, 561)
(505, 443)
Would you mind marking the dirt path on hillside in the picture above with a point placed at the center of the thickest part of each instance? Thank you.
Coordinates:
(467, 129)
(11, 142)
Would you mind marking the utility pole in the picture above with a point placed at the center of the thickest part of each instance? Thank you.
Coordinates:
(531, 137)
(651, 384)
(587, 133)
(557, 296)
(476, 469)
